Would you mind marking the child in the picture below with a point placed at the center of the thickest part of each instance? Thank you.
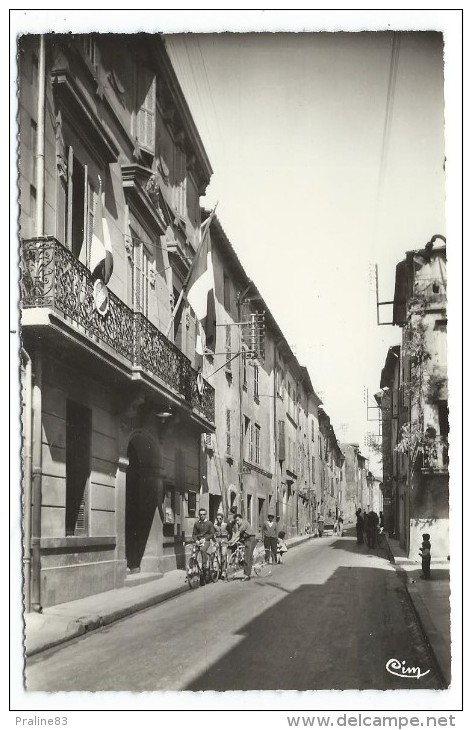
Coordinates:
(425, 552)
(281, 546)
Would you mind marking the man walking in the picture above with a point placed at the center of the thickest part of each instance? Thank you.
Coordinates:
(269, 533)
(246, 534)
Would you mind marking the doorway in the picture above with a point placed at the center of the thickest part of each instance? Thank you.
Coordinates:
(141, 498)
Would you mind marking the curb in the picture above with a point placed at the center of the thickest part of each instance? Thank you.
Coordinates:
(86, 624)
(426, 626)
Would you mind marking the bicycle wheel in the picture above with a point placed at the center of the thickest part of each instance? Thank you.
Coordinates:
(263, 563)
(193, 573)
(232, 566)
(215, 568)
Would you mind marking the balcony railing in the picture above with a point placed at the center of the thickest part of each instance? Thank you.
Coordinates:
(52, 277)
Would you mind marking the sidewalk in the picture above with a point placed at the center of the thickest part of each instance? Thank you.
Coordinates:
(58, 624)
(430, 599)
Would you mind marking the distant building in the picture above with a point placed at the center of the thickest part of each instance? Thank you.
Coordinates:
(415, 404)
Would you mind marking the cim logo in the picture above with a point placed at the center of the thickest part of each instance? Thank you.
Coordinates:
(399, 669)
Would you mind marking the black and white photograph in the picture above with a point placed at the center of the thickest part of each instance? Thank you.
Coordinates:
(238, 426)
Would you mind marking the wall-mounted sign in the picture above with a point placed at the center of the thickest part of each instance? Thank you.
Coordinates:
(100, 297)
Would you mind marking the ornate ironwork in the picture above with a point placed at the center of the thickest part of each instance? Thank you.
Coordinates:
(53, 277)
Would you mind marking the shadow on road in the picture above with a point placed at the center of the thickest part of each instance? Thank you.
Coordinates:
(335, 635)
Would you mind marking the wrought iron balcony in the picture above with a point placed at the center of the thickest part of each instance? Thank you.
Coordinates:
(52, 277)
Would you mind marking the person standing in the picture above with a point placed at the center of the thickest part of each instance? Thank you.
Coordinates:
(372, 523)
(221, 539)
(230, 522)
(245, 533)
(203, 532)
(425, 552)
(360, 527)
(269, 534)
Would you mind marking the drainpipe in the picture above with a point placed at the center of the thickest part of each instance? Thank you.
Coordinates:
(40, 137)
(36, 486)
(26, 413)
(276, 435)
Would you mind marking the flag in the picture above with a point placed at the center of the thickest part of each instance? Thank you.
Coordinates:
(101, 252)
(200, 288)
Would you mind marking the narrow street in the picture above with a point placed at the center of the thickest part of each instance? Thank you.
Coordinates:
(330, 617)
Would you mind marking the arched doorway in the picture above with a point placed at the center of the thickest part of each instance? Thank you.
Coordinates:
(141, 497)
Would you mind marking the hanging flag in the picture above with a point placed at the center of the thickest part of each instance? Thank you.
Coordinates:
(101, 252)
(200, 287)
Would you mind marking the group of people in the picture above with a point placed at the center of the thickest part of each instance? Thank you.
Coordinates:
(368, 526)
(226, 535)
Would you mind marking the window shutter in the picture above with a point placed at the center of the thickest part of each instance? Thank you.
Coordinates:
(228, 431)
(228, 348)
(145, 131)
(281, 448)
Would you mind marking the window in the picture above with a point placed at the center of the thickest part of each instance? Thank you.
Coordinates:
(281, 446)
(226, 293)
(33, 148)
(192, 504)
(320, 446)
(257, 444)
(279, 381)
(313, 469)
(256, 382)
(80, 208)
(78, 436)
(180, 182)
(244, 368)
(228, 347)
(228, 431)
(249, 508)
(246, 436)
(313, 431)
(146, 110)
(251, 442)
(90, 48)
(142, 265)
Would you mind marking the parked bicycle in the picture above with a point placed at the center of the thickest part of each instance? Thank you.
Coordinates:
(262, 562)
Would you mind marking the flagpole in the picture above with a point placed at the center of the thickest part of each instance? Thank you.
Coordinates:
(182, 292)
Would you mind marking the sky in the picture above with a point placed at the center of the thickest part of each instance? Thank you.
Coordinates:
(328, 157)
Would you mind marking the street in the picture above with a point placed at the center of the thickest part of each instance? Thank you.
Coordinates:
(330, 617)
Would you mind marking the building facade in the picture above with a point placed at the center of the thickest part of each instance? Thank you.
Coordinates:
(113, 407)
(415, 404)
(262, 457)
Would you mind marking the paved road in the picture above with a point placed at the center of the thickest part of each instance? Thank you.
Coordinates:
(330, 617)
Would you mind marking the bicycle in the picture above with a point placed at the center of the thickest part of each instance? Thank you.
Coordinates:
(262, 561)
(216, 563)
(196, 574)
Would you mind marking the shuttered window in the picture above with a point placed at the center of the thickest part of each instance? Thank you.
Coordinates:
(257, 444)
(228, 347)
(281, 445)
(78, 438)
(146, 115)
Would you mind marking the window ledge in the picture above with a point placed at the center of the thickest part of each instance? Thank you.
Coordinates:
(77, 541)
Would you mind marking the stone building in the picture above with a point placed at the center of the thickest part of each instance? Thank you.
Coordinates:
(415, 405)
(262, 455)
(113, 407)
(331, 469)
